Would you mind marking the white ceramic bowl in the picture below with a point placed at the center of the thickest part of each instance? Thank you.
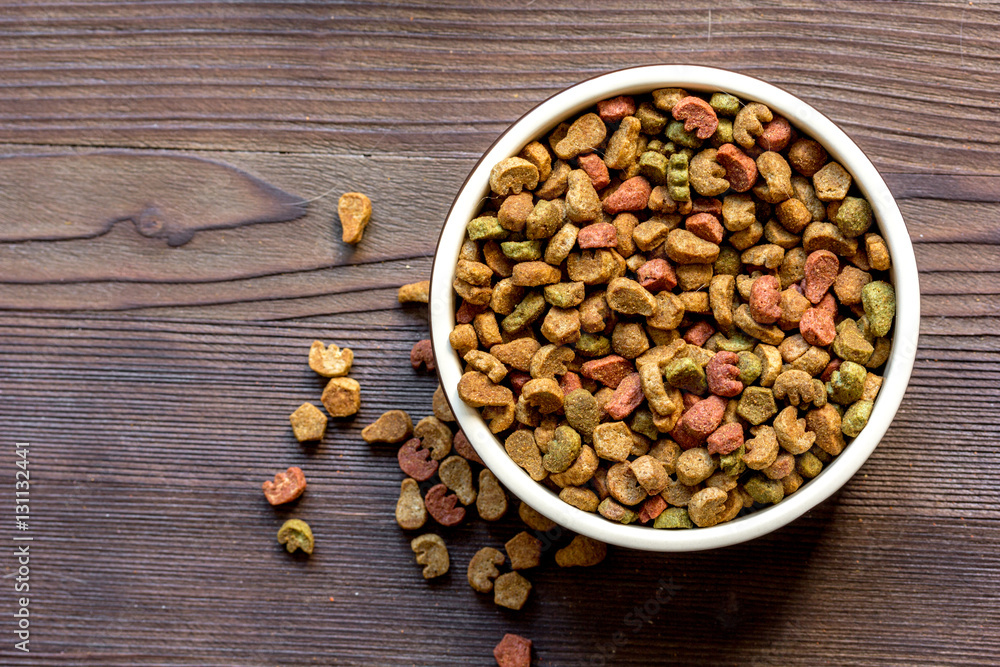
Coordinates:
(570, 102)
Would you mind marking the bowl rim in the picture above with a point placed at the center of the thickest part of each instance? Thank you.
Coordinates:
(638, 80)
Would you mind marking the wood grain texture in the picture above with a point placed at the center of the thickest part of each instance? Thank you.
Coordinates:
(154, 382)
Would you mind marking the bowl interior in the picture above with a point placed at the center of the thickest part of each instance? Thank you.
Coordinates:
(841, 148)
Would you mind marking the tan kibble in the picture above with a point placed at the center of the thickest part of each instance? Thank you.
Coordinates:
(706, 507)
(580, 498)
(513, 174)
(694, 466)
(330, 361)
(456, 474)
(583, 551)
(521, 448)
(511, 590)
(355, 212)
(410, 511)
(831, 182)
(418, 292)
(308, 423)
(342, 397)
(393, 426)
(491, 502)
(483, 570)
(441, 408)
(432, 554)
(613, 441)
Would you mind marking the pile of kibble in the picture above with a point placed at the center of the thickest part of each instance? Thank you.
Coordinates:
(673, 309)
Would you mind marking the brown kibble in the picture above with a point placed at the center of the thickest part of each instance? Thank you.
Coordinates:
(478, 391)
(513, 174)
(410, 511)
(831, 182)
(415, 461)
(432, 554)
(651, 473)
(684, 247)
(624, 486)
(422, 355)
(542, 393)
(392, 427)
(308, 423)
(762, 449)
(330, 361)
(747, 125)
(355, 211)
(286, 487)
(483, 569)
(793, 215)
(342, 397)
(583, 136)
(550, 361)
(524, 551)
(849, 284)
(442, 506)
(537, 154)
(791, 432)
(825, 422)
(517, 353)
(583, 551)
(807, 157)
(514, 211)
(513, 651)
(707, 507)
(533, 519)
(777, 175)
(878, 252)
(511, 590)
(694, 466)
(418, 292)
(491, 503)
(523, 450)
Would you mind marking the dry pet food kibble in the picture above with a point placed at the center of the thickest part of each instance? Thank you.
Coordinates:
(296, 534)
(513, 651)
(668, 306)
(308, 423)
(432, 554)
(286, 487)
(355, 211)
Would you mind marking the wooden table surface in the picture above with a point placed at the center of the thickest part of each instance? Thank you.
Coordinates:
(156, 311)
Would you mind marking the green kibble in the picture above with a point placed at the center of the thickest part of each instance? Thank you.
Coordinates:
(725, 104)
(856, 418)
(564, 295)
(729, 262)
(296, 534)
(523, 251)
(642, 423)
(651, 119)
(723, 133)
(563, 450)
(687, 374)
(750, 367)
(854, 216)
(879, 300)
(732, 463)
(653, 165)
(485, 227)
(808, 465)
(677, 134)
(820, 454)
(610, 509)
(530, 309)
(656, 145)
(738, 342)
(673, 518)
(677, 177)
(757, 405)
(847, 383)
(850, 343)
(765, 491)
(592, 345)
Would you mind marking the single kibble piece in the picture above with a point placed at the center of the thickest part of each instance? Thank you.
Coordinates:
(308, 423)
(415, 292)
(511, 590)
(355, 211)
(296, 534)
(583, 551)
(513, 651)
(286, 487)
(393, 426)
(342, 397)
(432, 554)
(410, 511)
(330, 361)
(483, 570)
(524, 551)
(491, 501)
